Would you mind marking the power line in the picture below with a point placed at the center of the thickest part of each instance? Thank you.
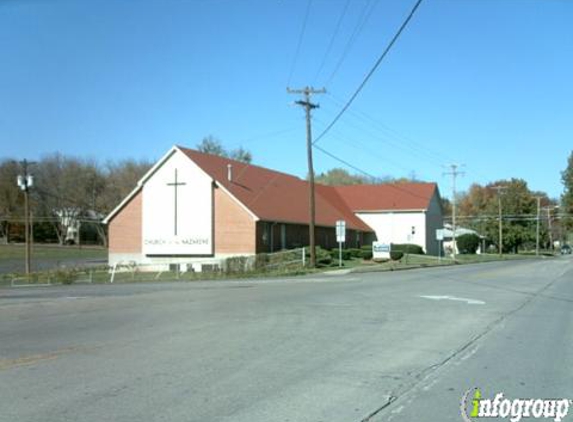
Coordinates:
(402, 141)
(364, 148)
(332, 39)
(371, 72)
(299, 44)
(362, 20)
(388, 140)
(352, 166)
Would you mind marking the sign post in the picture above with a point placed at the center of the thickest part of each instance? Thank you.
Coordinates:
(440, 239)
(340, 238)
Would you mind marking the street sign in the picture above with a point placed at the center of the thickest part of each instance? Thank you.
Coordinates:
(439, 234)
(341, 231)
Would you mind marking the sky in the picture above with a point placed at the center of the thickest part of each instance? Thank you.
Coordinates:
(486, 84)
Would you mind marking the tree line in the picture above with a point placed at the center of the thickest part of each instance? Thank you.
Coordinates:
(66, 189)
(478, 208)
(70, 190)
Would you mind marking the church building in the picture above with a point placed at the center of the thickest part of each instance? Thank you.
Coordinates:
(196, 207)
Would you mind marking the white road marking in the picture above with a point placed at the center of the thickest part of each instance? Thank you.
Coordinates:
(454, 298)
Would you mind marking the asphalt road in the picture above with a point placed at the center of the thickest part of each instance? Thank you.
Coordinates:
(381, 346)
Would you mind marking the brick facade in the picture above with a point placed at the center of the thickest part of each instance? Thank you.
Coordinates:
(125, 228)
(234, 226)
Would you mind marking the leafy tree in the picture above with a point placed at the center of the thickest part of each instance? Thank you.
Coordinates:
(211, 145)
(567, 197)
(66, 189)
(478, 209)
(446, 206)
(339, 176)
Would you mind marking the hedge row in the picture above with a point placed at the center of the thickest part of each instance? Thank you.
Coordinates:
(407, 248)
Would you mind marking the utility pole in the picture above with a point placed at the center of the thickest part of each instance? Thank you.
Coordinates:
(549, 225)
(537, 228)
(308, 107)
(500, 189)
(549, 228)
(454, 172)
(25, 182)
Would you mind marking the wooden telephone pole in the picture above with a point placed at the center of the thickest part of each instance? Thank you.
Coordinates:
(454, 172)
(25, 182)
(499, 190)
(537, 225)
(308, 107)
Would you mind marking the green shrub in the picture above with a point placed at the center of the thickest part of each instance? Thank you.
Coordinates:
(366, 247)
(355, 252)
(468, 243)
(345, 254)
(236, 264)
(366, 254)
(64, 276)
(396, 255)
(261, 261)
(323, 257)
(408, 248)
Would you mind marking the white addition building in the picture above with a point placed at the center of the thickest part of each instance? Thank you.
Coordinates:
(399, 212)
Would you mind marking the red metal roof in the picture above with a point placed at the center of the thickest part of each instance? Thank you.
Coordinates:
(388, 197)
(275, 196)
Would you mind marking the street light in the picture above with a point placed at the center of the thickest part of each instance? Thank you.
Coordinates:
(25, 182)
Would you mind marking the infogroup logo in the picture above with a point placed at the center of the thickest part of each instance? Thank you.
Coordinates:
(477, 407)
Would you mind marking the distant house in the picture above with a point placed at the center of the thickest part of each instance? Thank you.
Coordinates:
(460, 231)
(193, 206)
(71, 219)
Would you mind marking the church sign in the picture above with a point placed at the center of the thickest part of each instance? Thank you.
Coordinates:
(380, 250)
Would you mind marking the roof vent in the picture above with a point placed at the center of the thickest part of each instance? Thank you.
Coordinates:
(230, 172)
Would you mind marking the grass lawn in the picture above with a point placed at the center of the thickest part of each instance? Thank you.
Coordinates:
(49, 252)
(102, 275)
(417, 261)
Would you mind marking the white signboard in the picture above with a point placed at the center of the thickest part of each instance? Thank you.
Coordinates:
(439, 234)
(380, 250)
(341, 231)
(178, 210)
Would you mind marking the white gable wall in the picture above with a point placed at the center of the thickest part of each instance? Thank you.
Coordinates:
(191, 231)
(397, 226)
